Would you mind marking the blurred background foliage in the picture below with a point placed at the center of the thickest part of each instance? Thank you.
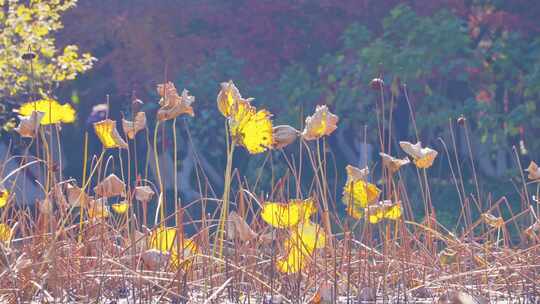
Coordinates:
(476, 58)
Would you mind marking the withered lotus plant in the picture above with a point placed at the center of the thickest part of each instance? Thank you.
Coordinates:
(29, 125)
(111, 186)
(144, 193)
(321, 123)
(534, 171)
(131, 128)
(393, 164)
(423, 158)
(108, 134)
(238, 228)
(284, 135)
(171, 104)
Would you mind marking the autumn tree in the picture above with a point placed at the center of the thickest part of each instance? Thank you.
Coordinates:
(28, 27)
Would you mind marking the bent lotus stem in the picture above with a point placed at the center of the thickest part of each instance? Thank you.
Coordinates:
(218, 243)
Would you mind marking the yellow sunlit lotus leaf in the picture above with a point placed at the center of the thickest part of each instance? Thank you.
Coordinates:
(29, 125)
(307, 236)
(354, 211)
(4, 197)
(287, 215)
(251, 128)
(534, 171)
(164, 240)
(423, 158)
(393, 164)
(108, 134)
(172, 104)
(360, 193)
(393, 212)
(493, 221)
(131, 128)
(383, 210)
(53, 111)
(111, 186)
(293, 262)
(5, 233)
(120, 208)
(321, 123)
(375, 214)
(227, 97)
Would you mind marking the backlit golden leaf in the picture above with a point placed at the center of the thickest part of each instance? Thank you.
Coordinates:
(321, 123)
(53, 111)
(288, 215)
(111, 186)
(108, 134)
(29, 125)
(307, 237)
(172, 104)
(534, 171)
(251, 128)
(304, 239)
(131, 128)
(360, 194)
(121, 207)
(227, 97)
(293, 262)
(393, 164)
(383, 210)
(5, 233)
(164, 240)
(4, 197)
(422, 157)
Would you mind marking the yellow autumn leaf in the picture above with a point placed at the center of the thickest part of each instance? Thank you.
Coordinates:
(423, 158)
(53, 111)
(120, 208)
(321, 123)
(307, 237)
(293, 262)
(251, 128)
(383, 210)
(227, 97)
(354, 211)
(287, 215)
(4, 196)
(108, 134)
(304, 239)
(5, 233)
(164, 240)
(360, 193)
